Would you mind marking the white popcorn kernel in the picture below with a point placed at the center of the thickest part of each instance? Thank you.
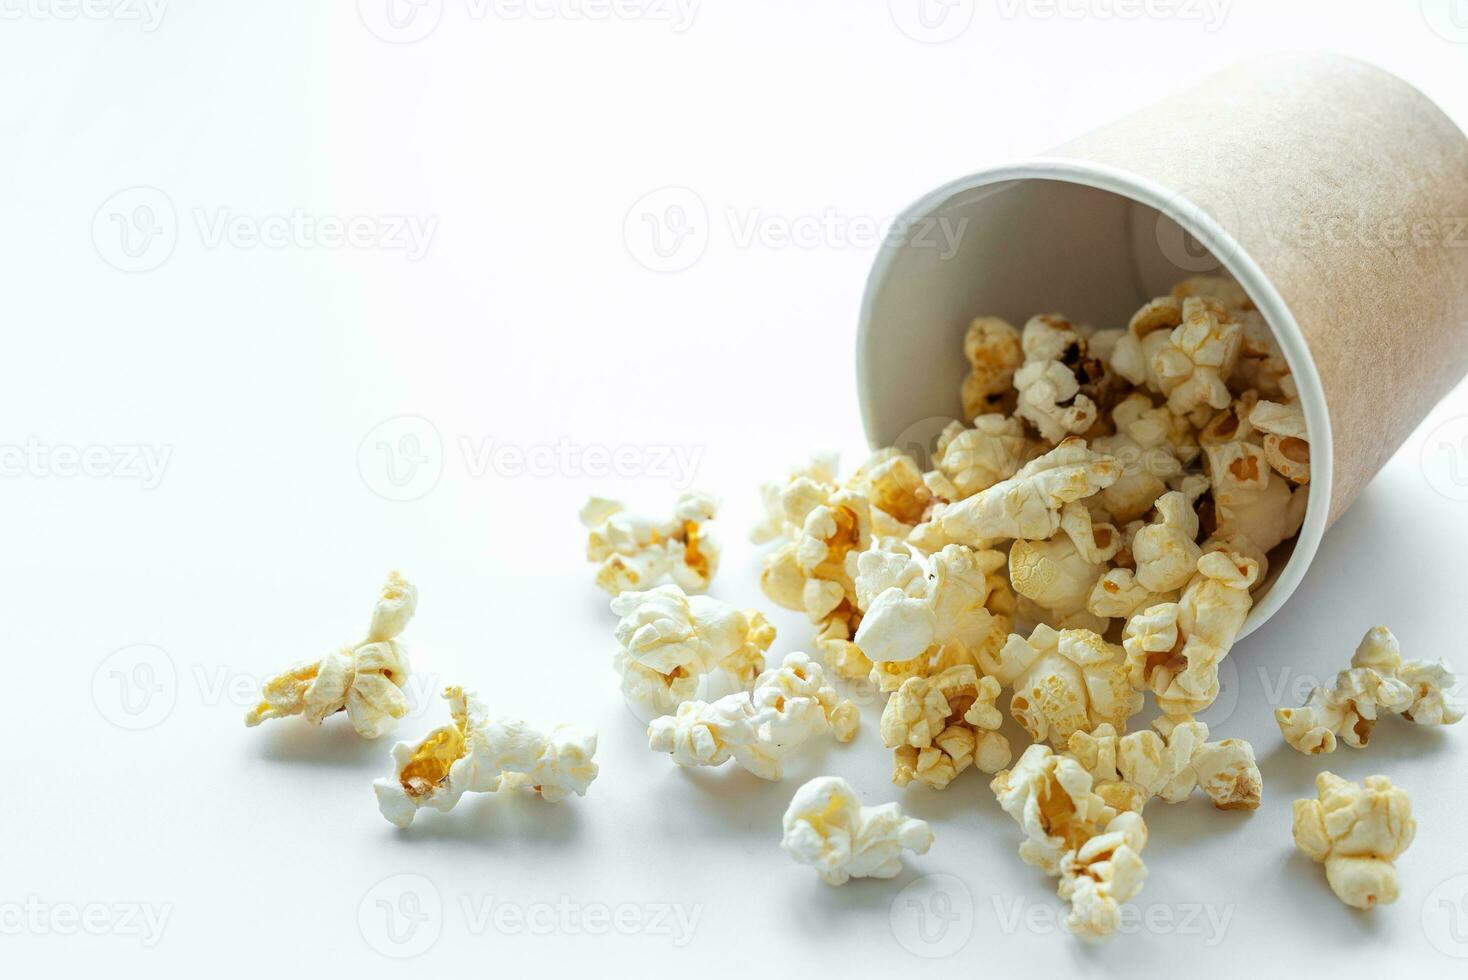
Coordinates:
(1028, 504)
(1118, 595)
(1223, 290)
(1200, 353)
(1357, 831)
(921, 618)
(1254, 512)
(1059, 574)
(975, 459)
(827, 828)
(1065, 681)
(1174, 649)
(1286, 443)
(1142, 444)
(478, 754)
(1050, 796)
(939, 726)
(786, 503)
(1129, 770)
(1165, 551)
(1377, 683)
(994, 353)
(1050, 400)
(669, 640)
(636, 552)
(893, 486)
(788, 706)
(364, 680)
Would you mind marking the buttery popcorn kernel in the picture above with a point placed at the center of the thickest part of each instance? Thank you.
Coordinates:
(1357, 830)
(364, 680)
(636, 553)
(1377, 683)
(480, 754)
(827, 828)
(758, 729)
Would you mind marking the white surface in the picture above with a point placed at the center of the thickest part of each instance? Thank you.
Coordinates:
(529, 320)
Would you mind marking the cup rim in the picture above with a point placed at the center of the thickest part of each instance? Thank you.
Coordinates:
(1230, 253)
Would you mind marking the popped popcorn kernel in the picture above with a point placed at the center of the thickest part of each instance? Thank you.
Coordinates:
(1028, 504)
(994, 353)
(1377, 683)
(788, 706)
(1064, 681)
(977, 458)
(365, 680)
(1357, 830)
(1050, 796)
(827, 828)
(636, 553)
(479, 754)
(1129, 770)
(941, 725)
(668, 641)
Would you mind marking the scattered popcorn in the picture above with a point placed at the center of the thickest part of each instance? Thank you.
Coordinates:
(994, 354)
(670, 640)
(364, 680)
(786, 504)
(827, 828)
(1129, 770)
(1050, 796)
(788, 706)
(1174, 649)
(1028, 504)
(1377, 683)
(637, 553)
(1356, 831)
(477, 754)
(1064, 682)
(941, 725)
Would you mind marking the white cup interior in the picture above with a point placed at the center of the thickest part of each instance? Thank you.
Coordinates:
(1054, 237)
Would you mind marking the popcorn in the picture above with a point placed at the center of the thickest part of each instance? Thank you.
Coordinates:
(1377, 683)
(1064, 682)
(1356, 831)
(1262, 366)
(1165, 553)
(1028, 504)
(364, 680)
(994, 353)
(637, 553)
(477, 754)
(1142, 443)
(1225, 291)
(1073, 834)
(1286, 443)
(787, 504)
(939, 726)
(975, 459)
(919, 622)
(1174, 649)
(827, 828)
(1254, 512)
(1059, 574)
(1129, 770)
(1050, 384)
(1118, 595)
(1147, 335)
(891, 482)
(669, 641)
(1200, 354)
(788, 706)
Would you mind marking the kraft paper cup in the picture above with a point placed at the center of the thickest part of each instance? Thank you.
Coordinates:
(1333, 192)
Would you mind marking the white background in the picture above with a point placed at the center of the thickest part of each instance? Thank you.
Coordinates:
(520, 147)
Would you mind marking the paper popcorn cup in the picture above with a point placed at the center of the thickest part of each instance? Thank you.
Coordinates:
(1335, 193)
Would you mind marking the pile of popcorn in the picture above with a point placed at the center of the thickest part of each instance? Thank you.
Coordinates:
(1094, 532)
